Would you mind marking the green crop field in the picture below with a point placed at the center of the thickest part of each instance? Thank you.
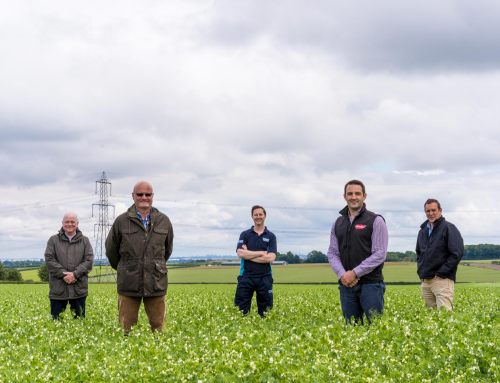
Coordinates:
(315, 273)
(207, 340)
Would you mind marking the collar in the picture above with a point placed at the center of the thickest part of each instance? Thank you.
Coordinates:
(345, 211)
(436, 223)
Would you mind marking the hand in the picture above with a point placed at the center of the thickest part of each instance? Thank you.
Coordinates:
(69, 277)
(349, 279)
(241, 252)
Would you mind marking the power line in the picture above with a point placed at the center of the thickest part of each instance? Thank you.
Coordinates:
(102, 226)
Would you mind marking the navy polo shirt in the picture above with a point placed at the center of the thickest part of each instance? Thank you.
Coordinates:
(254, 242)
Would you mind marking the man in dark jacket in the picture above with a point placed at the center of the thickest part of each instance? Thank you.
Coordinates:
(69, 258)
(357, 251)
(439, 250)
(138, 246)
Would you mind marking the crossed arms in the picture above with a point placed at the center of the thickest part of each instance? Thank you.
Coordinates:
(255, 256)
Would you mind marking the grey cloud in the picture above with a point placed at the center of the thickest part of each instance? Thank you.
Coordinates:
(370, 36)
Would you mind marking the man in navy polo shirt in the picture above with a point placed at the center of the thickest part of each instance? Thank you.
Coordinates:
(257, 249)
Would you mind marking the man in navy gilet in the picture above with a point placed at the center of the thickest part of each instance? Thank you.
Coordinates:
(358, 248)
(257, 249)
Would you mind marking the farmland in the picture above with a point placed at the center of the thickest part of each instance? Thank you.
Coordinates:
(313, 273)
(206, 339)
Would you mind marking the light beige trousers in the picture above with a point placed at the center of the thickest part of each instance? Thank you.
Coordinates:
(438, 292)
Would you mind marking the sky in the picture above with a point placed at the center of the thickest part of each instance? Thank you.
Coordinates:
(225, 104)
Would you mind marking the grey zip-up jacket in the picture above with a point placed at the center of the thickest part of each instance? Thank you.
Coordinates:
(140, 255)
(74, 256)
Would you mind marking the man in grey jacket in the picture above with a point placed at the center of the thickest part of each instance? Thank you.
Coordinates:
(138, 247)
(69, 258)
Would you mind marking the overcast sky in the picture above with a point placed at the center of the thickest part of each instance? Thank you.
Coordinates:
(225, 104)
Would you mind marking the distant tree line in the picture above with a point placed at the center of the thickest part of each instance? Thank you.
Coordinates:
(482, 251)
(313, 257)
(22, 264)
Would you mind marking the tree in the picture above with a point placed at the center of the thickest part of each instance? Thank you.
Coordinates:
(43, 272)
(3, 272)
(14, 275)
(289, 257)
(316, 257)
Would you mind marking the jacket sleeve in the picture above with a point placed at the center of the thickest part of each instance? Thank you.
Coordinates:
(86, 265)
(169, 243)
(455, 245)
(55, 268)
(113, 246)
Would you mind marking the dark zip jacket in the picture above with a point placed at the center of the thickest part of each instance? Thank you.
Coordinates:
(355, 242)
(439, 254)
(140, 255)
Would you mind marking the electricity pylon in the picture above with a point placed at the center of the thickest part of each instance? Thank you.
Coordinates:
(103, 273)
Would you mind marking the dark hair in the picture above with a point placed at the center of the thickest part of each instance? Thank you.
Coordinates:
(255, 207)
(432, 200)
(355, 182)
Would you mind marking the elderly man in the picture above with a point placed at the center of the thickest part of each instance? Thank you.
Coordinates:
(439, 250)
(138, 247)
(69, 258)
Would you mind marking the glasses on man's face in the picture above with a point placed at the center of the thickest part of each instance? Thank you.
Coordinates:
(144, 194)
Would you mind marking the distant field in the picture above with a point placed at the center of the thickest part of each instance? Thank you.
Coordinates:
(316, 273)
(321, 273)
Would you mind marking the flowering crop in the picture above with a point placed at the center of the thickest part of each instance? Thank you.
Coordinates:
(207, 340)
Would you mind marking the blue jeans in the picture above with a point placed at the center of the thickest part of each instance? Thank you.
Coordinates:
(363, 299)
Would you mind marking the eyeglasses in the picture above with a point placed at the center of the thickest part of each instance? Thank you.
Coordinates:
(144, 194)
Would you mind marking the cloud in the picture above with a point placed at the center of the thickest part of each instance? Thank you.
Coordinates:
(387, 36)
(222, 106)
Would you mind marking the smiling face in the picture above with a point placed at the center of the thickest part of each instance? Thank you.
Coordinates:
(432, 211)
(258, 216)
(354, 197)
(143, 196)
(70, 224)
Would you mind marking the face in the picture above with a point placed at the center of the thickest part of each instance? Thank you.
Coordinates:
(354, 197)
(143, 196)
(70, 224)
(258, 217)
(432, 211)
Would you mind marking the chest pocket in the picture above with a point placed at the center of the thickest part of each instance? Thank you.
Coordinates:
(158, 239)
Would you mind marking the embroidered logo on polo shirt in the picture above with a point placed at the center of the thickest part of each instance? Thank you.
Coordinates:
(265, 239)
(359, 226)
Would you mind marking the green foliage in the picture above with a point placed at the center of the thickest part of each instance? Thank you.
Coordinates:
(396, 256)
(43, 272)
(316, 257)
(3, 273)
(289, 257)
(207, 340)
(482, 251)
(13, 275)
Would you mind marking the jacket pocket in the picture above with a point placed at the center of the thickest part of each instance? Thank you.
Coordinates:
(160, 277)
(128, 277)
(57, 287)
(81, 285)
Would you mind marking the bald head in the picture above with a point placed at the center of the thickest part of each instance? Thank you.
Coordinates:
(70, 215)
(142, 184)
(70, 223)
(143, 197)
